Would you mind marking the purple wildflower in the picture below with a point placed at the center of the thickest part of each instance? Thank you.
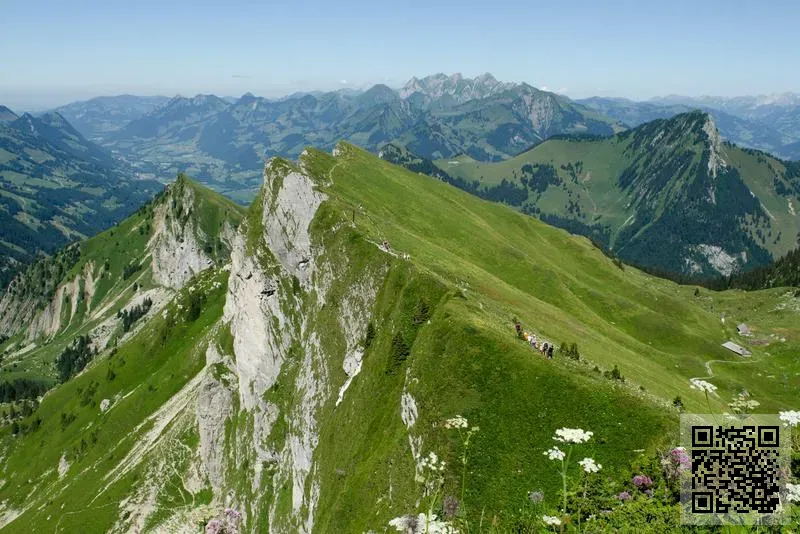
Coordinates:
(624, 496)
(642, 481)
(214, 526)
(649, 492)
(681, 457)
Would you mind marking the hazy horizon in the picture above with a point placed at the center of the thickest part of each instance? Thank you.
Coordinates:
(22, 103)
(621, 48)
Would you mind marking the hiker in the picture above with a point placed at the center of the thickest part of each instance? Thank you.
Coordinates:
(550, 352)
(519, 328)
(544, 349)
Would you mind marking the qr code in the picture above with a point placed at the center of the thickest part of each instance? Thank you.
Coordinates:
(738, 469)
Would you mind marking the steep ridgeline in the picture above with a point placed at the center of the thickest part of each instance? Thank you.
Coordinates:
(86, 288)
(735, 126)
(437, 116)
(668, 195)
(55, 187)
(303, 386)
(775, 117)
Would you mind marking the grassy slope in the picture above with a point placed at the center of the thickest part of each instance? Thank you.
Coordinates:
(597, 192)
(149, 369)
(117, 247)
(476, 264)
(559, 284)
(468, 361)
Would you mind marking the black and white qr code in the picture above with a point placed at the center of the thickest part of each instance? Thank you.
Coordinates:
(734, 470)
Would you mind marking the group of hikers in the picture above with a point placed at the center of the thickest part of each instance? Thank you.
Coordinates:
(536, 344)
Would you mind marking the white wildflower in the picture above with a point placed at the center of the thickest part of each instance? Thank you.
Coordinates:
(572, 435)
(790, 418)
(793, 493)
(551, 520)
(590, 466)
(555, 454)
(456, 422)
(422, 524)
(433, 463)
(702, 385)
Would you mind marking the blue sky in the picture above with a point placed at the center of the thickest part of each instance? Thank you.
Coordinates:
(55, 51)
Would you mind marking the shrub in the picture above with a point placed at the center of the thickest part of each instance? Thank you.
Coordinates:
(195, 306)
(369, 337)
(134, 314)
(614, 374)
(130, 269)
(421, 313)
(398, 354)
(74, 358)
(66, 419)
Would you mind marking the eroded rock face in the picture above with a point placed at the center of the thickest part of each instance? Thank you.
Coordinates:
(256, 322)
(214, 407)
(176, 247)
(276, 340)
(58, 313)
(293, 202)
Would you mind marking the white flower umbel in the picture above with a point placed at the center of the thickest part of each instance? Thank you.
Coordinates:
(555, 454)
(551, 520)
(433, 463)
(590, 466)
(456, 422)
(790, 418)
(428, 524)
(572, 435)
(702, 385)
(793, 493)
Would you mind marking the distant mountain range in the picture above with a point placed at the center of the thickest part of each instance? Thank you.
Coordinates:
(224, 144)
(56, 186)
(100, 116)
(668, 195)
(223, 141)
(770, 123)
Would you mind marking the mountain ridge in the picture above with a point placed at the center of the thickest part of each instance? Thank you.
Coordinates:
(353, 296)
(660, 179)
(224, 144)
(56, 186)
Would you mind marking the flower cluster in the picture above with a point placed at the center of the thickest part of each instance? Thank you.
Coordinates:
(793, 493)
(555, 454)
(430, 524)
(215, 526)
(590, 466)
(536, 496)
(702, 385)
(433, 463)
(551, 520)
(572, 435)
(642, 481)
(232, 516)
(742, 404)
(229, 524)
(624, 496)
(681, 458)
(790, 418)
(456, 422)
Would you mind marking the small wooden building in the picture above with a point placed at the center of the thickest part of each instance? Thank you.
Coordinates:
(738, 349)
